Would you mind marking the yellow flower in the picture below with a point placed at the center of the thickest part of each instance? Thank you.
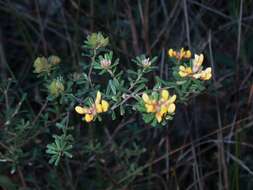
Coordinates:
(206, 74)
(184, 71)
(172, 53)
(165, 105)
(196, 71)
(197, 62)
(99, 106)
(188, 54)
(149, 104)
(182, 54)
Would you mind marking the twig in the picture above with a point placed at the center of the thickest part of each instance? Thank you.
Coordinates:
(220, 135)
(187, 24)
(239, 32)
(133, 28)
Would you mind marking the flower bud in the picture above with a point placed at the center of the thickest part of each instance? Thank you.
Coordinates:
(96, 40)
(105, 64)
(56, 87)
(54, 60)
(146, 63)
(41, 65)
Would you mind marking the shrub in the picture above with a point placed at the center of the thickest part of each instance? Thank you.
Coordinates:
(100, 89)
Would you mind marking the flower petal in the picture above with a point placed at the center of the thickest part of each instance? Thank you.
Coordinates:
(171, 108)
(188, 54)
(181, 68)
(145, 98)
(88, 117)
(99, 108)
(158, 117)
(172, 99)
(98, 97)
(188, 70)
(198, 60)
(81, 110)
(206, 74)
(197, 75)
(105, 105)
(150, 108)
(182, 74)
(163, 110)
(171, 52)
(165, 94)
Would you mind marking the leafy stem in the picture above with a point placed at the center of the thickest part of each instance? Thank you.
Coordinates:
(91, 65)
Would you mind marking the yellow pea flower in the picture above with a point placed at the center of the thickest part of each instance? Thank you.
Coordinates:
(182, 54)
(188, 54)
(184, 71)
(149, 104)
(172, 53)
(185, 54)
(165, 105)
(197, 62)
(196, 71)
(99, 106)
(206, 74)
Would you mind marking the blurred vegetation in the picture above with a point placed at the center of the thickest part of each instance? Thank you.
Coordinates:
(208, 145)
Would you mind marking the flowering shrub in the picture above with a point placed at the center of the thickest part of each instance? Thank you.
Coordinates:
(117, 93)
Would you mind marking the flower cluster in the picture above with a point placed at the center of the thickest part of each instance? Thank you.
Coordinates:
(45, 65)
(179, 55)
(196, 70)
(160, 106)
(96, 41)
(99, 106)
